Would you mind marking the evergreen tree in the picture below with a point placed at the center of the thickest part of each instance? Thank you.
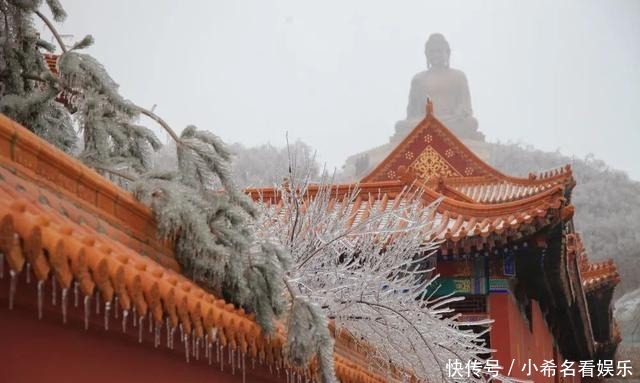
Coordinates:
(211, 229)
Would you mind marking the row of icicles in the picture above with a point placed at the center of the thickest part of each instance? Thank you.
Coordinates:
(209, 343)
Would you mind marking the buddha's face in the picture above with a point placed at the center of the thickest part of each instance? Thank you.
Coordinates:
(437, 55)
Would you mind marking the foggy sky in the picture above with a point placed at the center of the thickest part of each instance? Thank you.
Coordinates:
(554, 74)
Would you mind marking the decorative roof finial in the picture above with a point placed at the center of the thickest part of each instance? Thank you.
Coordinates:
(429, 107)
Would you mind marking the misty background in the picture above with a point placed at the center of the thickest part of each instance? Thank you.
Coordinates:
(551, 83)
(336, 74)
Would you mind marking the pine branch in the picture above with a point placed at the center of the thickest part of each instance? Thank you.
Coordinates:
(34, 77)
(162, 123)
(53, 30)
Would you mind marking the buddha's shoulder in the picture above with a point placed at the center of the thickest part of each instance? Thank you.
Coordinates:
(450, 73)
(420, 76)
(457, 73)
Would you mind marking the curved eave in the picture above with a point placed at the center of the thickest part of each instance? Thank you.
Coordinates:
(460, 225)
(52, 210)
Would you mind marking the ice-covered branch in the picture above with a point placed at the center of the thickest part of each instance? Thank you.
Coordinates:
(366, 262)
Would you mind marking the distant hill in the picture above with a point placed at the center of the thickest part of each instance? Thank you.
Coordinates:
(627, 313)
(607, 204)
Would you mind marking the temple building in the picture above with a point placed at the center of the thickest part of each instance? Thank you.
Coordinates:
(88, 293)
(508, 245)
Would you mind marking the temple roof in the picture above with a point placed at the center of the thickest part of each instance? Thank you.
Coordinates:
(461, 225)
(479, 207)
(594, 275)
(67, 222)
(432, 154)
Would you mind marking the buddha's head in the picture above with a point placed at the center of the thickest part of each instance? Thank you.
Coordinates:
(437, 51)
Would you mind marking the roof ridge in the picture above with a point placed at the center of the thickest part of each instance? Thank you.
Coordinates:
(477, 169)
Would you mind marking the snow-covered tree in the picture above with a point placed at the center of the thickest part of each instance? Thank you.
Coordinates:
(210, 228)
(368, 277)
(27, 88)
(367, 272)
(264, 165)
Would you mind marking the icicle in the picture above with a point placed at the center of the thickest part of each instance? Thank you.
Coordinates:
(40, 298)
(186, 346)
(168, 331)
(233, 361)
(158, 331)
(97, 301)
(221, 358)
(54, 290)
(63, 304)
(181, 332)
(87, 311)
(12, 287)
(150, 322)
(243, 369)
(1, 265)
(141, 320)
(107, 308)
(75, 294)
(28, 273)
(171, 334)
(167, 328)
(125, 314)
(195, 343)
(135, 316)
(116, 308)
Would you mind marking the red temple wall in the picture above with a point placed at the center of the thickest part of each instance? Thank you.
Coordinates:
(48, 351)
(515, 341)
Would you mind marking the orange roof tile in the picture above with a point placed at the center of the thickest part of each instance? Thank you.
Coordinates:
(460, 225)
(69, 223)
(489, 190)
(599, 275)
(594, 275)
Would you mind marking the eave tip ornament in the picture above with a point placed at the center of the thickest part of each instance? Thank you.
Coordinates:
(429, 107)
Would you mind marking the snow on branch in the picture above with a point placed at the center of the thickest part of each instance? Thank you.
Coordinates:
(367, 268)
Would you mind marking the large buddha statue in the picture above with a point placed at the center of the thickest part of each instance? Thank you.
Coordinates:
(448, 90)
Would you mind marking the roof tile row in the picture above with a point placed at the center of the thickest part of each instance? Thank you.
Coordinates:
(58, 235)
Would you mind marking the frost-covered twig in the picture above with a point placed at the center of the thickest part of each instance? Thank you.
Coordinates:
(162, 123)
(52, 29)
(368, 269)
